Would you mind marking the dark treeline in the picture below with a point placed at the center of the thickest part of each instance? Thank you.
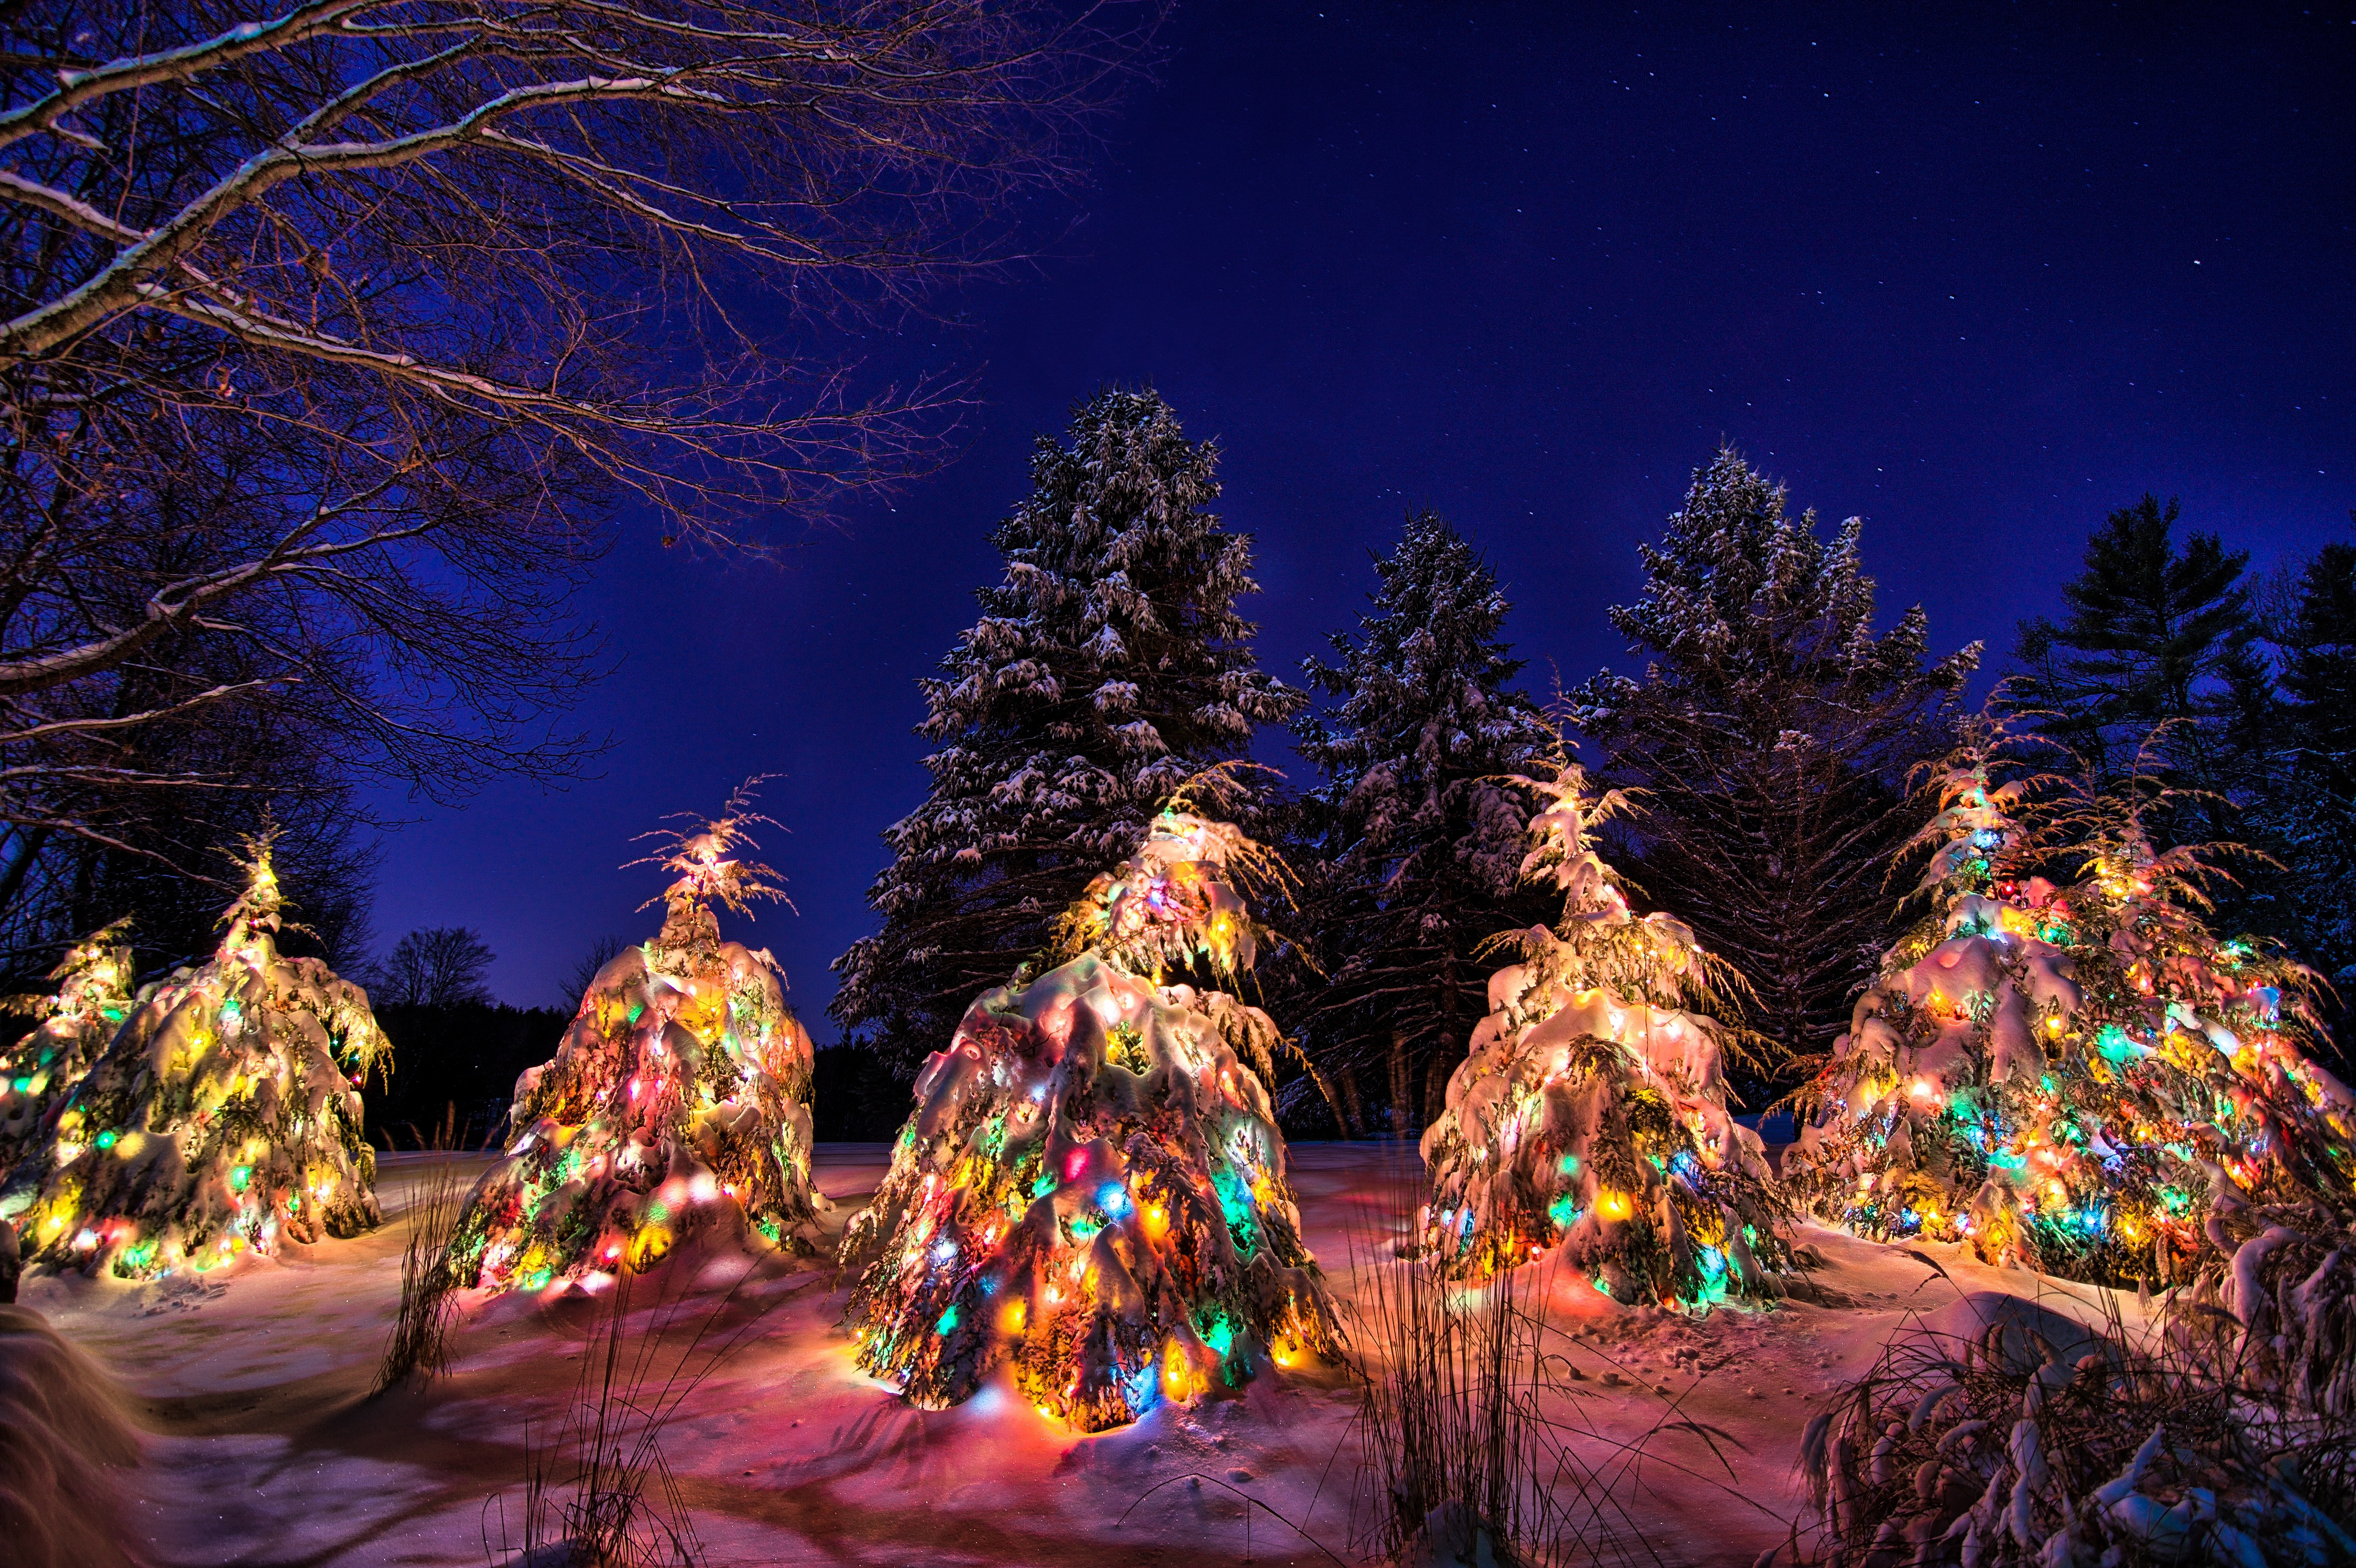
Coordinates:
(454, 1070)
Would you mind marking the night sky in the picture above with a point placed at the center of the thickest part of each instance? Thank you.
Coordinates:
(1976, 273)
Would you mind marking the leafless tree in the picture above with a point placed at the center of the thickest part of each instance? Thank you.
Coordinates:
(584, 973)
(433, 966)
(328, 336)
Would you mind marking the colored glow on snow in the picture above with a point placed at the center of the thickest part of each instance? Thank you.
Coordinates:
(1614, 1204)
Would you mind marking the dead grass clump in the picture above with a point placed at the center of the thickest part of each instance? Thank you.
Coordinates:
(598, 1492)
(419, 1345)
(2027, 1438)
(1480, 1441)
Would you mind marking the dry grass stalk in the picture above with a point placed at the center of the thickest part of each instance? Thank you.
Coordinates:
(1477, 1444)
(598, 1492)
(419, 1345)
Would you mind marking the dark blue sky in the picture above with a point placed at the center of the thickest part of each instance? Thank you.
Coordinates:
(1977, 273)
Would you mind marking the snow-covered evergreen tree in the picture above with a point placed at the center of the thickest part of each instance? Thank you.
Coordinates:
(1591, 1118)
(2080, 1077)
(1108, 667)
(1422, 836)
(1773, 730)
(677, 1106)
(41, 1070)
(224, 1115)
(1092, 1189)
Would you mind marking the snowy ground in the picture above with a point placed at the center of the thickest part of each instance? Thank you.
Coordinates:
(264, 1450)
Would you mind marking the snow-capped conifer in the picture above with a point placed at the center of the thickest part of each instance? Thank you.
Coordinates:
(224, 1115)
(2080, 1078)
(677, 1104)
(1420, 839)
(1092, 1187)
(1591, 1118)
(1107, 667)
(92, 999)
(1772, 731)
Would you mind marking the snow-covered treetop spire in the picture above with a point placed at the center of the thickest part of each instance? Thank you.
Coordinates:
(95, 971)
(259, 908)
(1180, 899)
(1598, 941)
(1980, 831)
(708, 866)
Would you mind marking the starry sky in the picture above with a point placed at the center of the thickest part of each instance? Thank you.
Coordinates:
(1976, 273)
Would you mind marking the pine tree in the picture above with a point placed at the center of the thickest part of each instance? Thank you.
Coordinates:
(2081, 1077)
(1415, 818)
(1108, 667)
(2155, 634)
(1092, 1188)
(39, 1073)
(1589, 1119)
(677, 1106)
(2308, 819)
(223, 1116)
(1773, 730)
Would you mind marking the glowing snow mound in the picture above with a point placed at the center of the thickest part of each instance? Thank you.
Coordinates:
(1092, 1186)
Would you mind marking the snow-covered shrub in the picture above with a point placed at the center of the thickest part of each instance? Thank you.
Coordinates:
(1590, 1118)
(1092, 1186)
(225, 1115)
(41, 1070)
(677, 1102)
(1999, 1432)
(2079, 1078)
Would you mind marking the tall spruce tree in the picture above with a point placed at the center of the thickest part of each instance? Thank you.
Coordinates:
(1773, 728)
(1108, 667)
(2307, 819)
(1419, 841)
(2155, 634)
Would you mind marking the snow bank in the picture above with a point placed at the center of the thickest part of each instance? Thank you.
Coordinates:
(62, 1424)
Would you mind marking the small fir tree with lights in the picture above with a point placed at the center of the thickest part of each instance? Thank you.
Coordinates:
(1092, 1186)
(223, 1117)
(2081, 1078)
(1590, 1120)
(38, 1074)
(677, 1104)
